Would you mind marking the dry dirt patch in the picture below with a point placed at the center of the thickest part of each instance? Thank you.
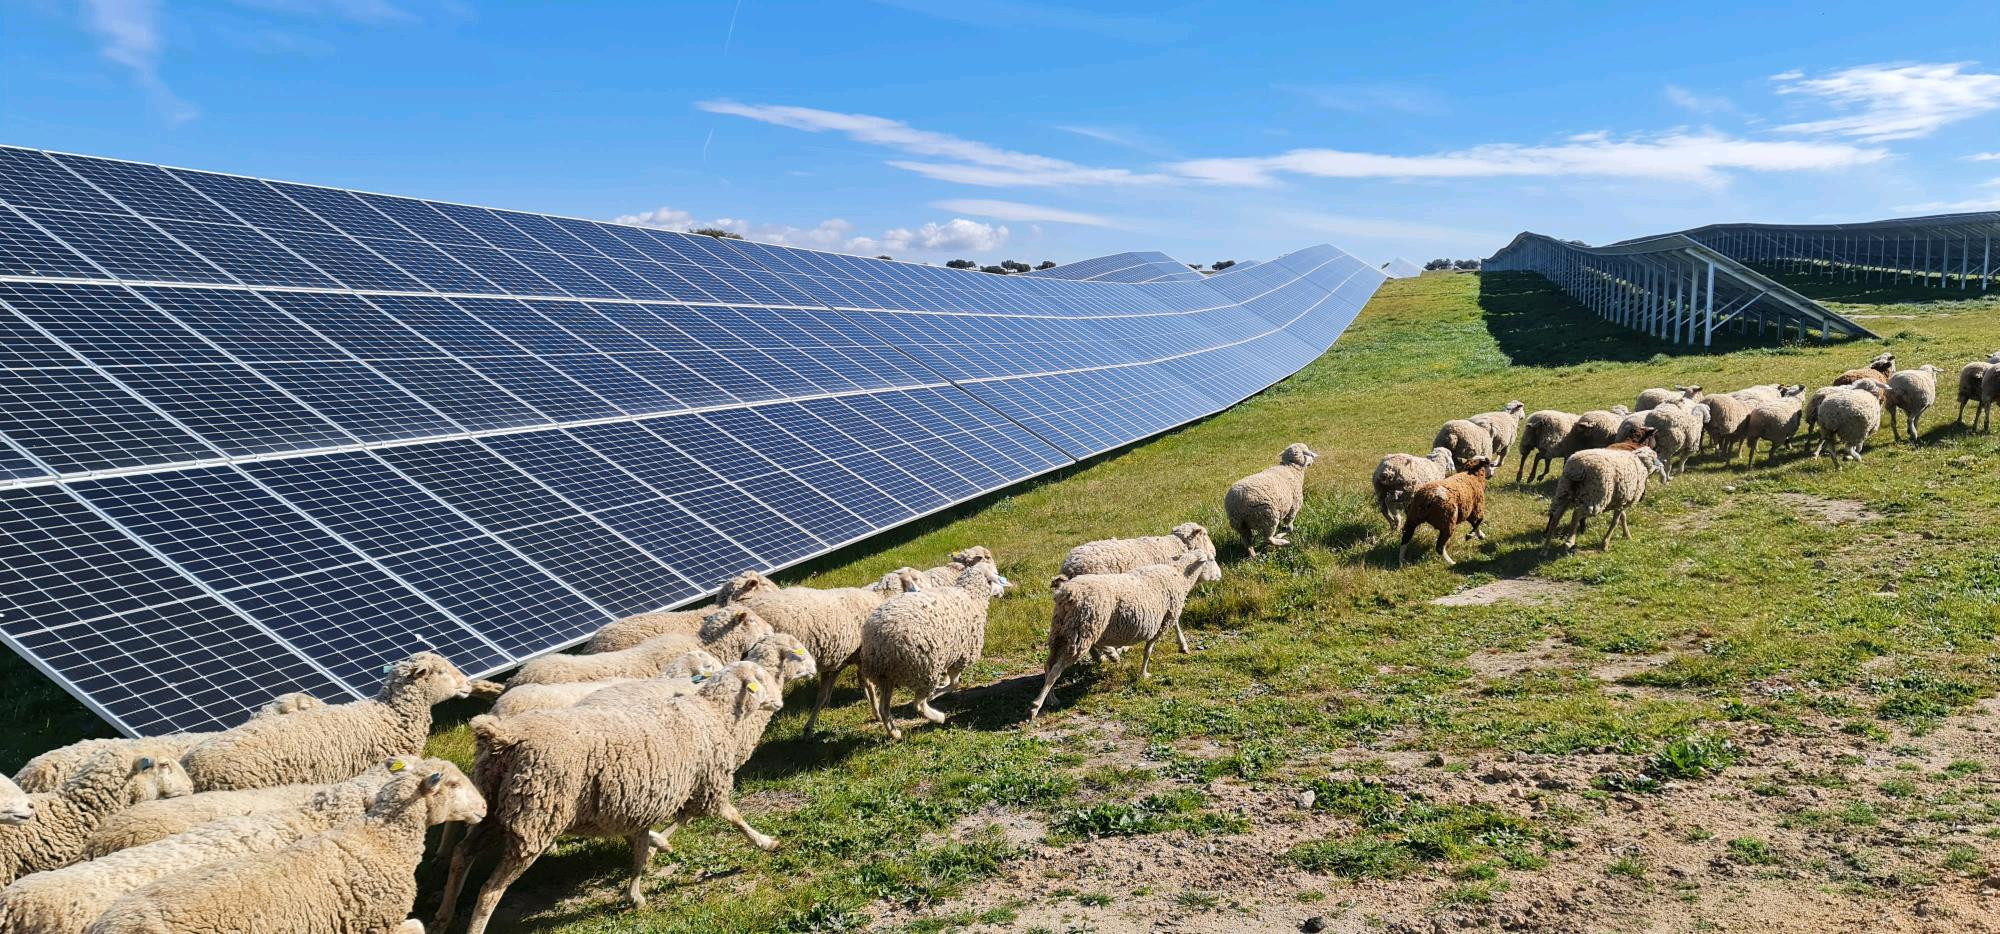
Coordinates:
(1512, 589)
(1828, 511)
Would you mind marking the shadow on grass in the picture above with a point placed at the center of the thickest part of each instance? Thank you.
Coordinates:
(1537, 324)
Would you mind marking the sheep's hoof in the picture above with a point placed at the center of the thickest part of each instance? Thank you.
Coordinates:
(659, 839)
(764, 842)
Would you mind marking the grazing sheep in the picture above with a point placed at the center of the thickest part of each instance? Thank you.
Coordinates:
(1262, 507)
(331, 743)
(1680, 427)
(145, 823)
(1113, 555)
(48, 771)
(1593, 429)
(707, 624)
(1969, 382)
(1465, 439)
(1911, 393)
(1398, 476)
(608, 771)
(1989, 392)
(1504, 425)
(691, 668)
(1641, 437)
(1726, 415)
(14, 804)
(1812, 407)
(725, 633)
(1098, 612)
(1442, 505)
(923, 642)
(1774, 423)
(1652, 398)
(358, 876)
(1878, 369)
(63, 819)
(827, 621)
(1846, 418)
(66, 900)
(1542, 436)
(944, 575)
(1597, 482)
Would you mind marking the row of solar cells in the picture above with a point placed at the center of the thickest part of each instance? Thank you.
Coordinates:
(487, 549)
(1135, 266)
(184, 226)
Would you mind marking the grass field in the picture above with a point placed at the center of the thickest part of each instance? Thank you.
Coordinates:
(1778, 685)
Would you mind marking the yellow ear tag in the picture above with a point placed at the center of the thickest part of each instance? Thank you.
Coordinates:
(750, 686)
(396, 765)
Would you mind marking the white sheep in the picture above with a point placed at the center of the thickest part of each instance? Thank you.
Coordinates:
(1726, 415)
(1098, 612)
(725, 634)
(1262, 507)
(145, 823)
(828, 621)
(944, 575)
(1465, 439)
(359, 876)
(923, 642)
(1503, 425)
(1399, 476)
(331, 743)
(1775, 423)
(1112, 555)
(63, 819)
(691, 668)
(1599, 482)
(1543, 437)
(48, 771)
(1680, 426)
(66, 900)
(1970, 378)
(708, 624)
(1847, 416)
(1593, 429)
(608, 771)
(15, 807)
(1911, 393)
(1989, 392)
(1652, 398)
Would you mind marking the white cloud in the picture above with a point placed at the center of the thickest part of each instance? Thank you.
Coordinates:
(1698, 103)
(1891, 102)
(957, 234)
(1952, 207)
(359, 11)
(972, 162)
(1678, 156)
(1016, 211)
(1367, 98)
(1983, 157)
(129, 35)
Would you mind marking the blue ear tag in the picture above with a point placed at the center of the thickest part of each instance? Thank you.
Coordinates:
(698, 677)
(389, 668)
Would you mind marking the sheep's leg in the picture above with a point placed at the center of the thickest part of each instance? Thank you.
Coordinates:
(1179, 634)
(1895, 431)
(410, 926)
(924, 708)
(642, 853)
(1476, 532)
(1409, 532)
(1249, 543)
(1444, 543)
(826, 681)
(1624, 525)
(879, 696)
(1056, 666)
(660, 838)
(726, 809)
(461, 864)
(1520, 464)
(1610, 526)
(1146, 658)
(1576, 523)
(514, 860)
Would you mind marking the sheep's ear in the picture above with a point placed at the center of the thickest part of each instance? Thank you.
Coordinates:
(145, 763)
(433, 780)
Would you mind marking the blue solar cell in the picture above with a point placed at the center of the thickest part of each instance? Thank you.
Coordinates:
(252, 201)
(30, 178)
(108, 324)
(127, 246)
(430, 266)
(589, 556)
(233, 409)
(421, 219)
(523, 323)
(341, 209)
(346, 260)
(699, 554)
(26, 251)
(216, 523)
(516, 604)
(246, 254)
(356, 620)
(474, 402)
(357, 399)
(146, 190)
(761, 531)
(361, 499)
(78, 420)
(60, 564)
(573, 470)
(479, 484)
(544, 387)
(241, 324)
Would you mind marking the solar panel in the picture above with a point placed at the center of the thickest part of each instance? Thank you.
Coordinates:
(260, 437)
(1400, 268)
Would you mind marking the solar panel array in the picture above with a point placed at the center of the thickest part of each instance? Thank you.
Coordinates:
(1400, 268)
(260, 437)
(1141, 266)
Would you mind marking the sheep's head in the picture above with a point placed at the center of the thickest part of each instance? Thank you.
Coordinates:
(1200, 566)
(1643, 436)
(1298, 455)
(900, 580)
(1478, 466)
(1620, 410)
(741, 586)
(1795, 389)
(150, 778)
(1884, 363)
(744, 688)
(442, 790)
(1442, 457)
(696, 665)
(427, 674)
(1651, 459)
(981, 580)
(968, 557)
(14, 804)
(1930, 368)
(735, 618)
(782, 654)
(1689, 392)
(1993, 357)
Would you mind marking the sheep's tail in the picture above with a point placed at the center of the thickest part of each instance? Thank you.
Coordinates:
(489, 732)
(486, 690)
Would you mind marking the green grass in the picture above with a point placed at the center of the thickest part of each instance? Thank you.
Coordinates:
(1327, 647)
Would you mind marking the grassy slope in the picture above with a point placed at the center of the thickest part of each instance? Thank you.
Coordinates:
(1326, 646)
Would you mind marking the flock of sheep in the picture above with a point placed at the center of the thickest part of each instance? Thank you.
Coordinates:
(312, 817)
(1608, 455)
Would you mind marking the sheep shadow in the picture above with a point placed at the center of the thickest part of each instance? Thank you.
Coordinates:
(1537, 324)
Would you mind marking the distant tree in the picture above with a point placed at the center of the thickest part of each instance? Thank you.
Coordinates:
(1015, 265)
(1047, 264)
(885, 256)
(1438, 264)
(962, 264)
(1222, 264)
(716, 232)
(996, 270)
(1466, 264)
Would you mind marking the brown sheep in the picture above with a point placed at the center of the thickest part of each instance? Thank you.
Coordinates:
(1443, 504)
(1641, 437)
(1878, 369)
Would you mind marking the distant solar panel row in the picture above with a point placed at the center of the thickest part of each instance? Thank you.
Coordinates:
(1141, 266)
(258, 437)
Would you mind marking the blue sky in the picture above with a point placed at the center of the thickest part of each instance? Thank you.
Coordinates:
(995, 129)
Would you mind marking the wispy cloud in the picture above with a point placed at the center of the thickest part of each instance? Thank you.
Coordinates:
(1000, 14)
(1697, 103)
(372, 12)
(1891, 102)
(1368, 98)
(1016, 211)
(1680, 156)
(955, 235)
(129, 35)
(1983, 157)
(971, 162)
